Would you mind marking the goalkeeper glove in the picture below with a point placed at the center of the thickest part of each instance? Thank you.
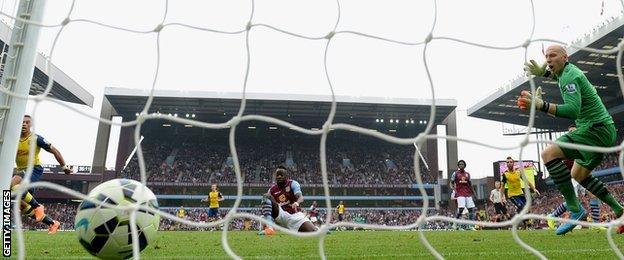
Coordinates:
(535, 69)
(525, 100)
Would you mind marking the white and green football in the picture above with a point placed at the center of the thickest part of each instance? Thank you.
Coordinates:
(105, 232)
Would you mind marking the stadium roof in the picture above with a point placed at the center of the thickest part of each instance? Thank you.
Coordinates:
(220, 106)
(64, 88)
(599, 68)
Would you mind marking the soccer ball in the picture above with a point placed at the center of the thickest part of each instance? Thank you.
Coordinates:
(105, 232)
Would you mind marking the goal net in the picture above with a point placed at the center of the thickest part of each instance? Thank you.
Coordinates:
(336, 28)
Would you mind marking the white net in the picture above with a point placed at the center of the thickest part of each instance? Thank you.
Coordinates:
(233, 122)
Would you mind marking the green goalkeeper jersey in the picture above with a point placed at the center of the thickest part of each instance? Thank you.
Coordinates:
(580, 100)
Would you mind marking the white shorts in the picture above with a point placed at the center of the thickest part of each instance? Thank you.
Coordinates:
(313, 219)
(465, 202)
(290, 221)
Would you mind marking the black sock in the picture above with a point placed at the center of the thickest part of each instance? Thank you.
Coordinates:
(459, 212)
(47, 220)
(560, 175)
(596, 187)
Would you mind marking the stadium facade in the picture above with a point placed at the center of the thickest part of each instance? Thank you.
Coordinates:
(408, 117)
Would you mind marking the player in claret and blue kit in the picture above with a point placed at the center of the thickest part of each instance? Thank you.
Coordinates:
(286, 196)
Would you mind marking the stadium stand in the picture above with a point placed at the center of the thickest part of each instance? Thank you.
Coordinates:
(207, 162)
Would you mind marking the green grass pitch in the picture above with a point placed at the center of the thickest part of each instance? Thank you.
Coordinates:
(490, 244)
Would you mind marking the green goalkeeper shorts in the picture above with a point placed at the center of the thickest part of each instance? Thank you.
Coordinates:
(602, 135)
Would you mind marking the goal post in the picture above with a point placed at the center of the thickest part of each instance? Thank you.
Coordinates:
(17, 79)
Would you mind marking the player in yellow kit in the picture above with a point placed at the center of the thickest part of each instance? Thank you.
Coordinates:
(340, 209)
(214, 197)
(514, 180)
(180, 213)
(29, 204)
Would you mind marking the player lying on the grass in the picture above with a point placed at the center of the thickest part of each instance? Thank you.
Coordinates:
(286, 196)
(595, 127)
(266, 209)
(313, 213)
(29, 204)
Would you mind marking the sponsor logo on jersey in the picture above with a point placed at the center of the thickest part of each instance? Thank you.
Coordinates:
(570, 88)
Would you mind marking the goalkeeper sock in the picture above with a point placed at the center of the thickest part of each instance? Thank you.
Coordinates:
(562, 178)
(594, 209)
(597, 188)
(559, 210)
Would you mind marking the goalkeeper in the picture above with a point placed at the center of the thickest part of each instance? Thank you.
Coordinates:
(595, 127)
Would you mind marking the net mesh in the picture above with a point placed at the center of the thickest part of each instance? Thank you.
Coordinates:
(233, 122)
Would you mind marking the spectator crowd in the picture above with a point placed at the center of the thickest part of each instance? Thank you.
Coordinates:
(543, 205)
(348, 163)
